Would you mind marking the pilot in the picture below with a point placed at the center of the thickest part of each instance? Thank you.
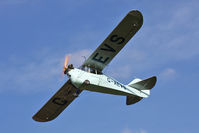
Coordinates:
(71, 66)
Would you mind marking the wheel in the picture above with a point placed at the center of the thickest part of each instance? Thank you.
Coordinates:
(87, 82)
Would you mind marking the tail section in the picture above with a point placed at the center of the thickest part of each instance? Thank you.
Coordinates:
(132, 99)
(142, 85)
(146, 84)
(134, 81)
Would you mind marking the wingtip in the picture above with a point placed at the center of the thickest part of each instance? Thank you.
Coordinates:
(40, 119)
(136, 13)
(37, 119)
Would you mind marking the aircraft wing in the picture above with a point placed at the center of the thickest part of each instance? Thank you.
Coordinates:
(116, 40)
(57, 103)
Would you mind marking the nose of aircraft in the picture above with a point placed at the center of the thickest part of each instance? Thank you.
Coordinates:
(73, 75)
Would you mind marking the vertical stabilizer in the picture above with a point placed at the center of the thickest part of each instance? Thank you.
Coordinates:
(143, 86)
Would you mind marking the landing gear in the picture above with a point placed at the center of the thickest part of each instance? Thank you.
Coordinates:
(76, 94)
(87, 82)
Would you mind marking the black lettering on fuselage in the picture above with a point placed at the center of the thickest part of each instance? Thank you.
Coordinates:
(59, 101)
(110, 80)
(100, 58)
(118, 40)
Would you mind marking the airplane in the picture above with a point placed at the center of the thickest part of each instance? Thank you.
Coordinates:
(89, 75)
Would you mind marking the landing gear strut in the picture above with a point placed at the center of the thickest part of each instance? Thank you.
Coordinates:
(76, 94)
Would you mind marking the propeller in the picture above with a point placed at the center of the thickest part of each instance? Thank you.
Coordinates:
(67, 58)
(64, 71)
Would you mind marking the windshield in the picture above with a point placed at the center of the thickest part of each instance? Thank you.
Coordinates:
(90, 70)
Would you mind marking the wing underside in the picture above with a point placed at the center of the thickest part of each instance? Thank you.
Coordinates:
(115, 41)
(57, 103)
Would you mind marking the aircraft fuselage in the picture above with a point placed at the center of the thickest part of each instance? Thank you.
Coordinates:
(100, 83)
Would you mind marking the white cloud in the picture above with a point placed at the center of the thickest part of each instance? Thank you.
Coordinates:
(126, 63)
(78, 57)
(120, 72)
(168, 74)
(173, 38)
(42, 72)
(142, 131)
(177, 36)
(34, 75)
(180, 17)
(169, 40)
(161, 47)
(127, 130)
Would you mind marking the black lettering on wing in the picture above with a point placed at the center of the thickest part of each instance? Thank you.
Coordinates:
(117, 39)
(59, 101)
(107, 48)
(99, 58)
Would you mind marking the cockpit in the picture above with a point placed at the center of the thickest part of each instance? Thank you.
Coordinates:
(90, 70)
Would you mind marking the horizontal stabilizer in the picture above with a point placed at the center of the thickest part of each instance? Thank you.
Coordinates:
(132, 99)
(146, 84)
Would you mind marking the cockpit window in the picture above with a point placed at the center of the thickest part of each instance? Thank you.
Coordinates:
(90, 70)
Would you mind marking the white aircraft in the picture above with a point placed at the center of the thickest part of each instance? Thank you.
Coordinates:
(90, 77)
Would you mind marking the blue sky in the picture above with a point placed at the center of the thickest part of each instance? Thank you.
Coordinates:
(35, 36)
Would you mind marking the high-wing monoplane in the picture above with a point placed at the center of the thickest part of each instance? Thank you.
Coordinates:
(89, 76)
